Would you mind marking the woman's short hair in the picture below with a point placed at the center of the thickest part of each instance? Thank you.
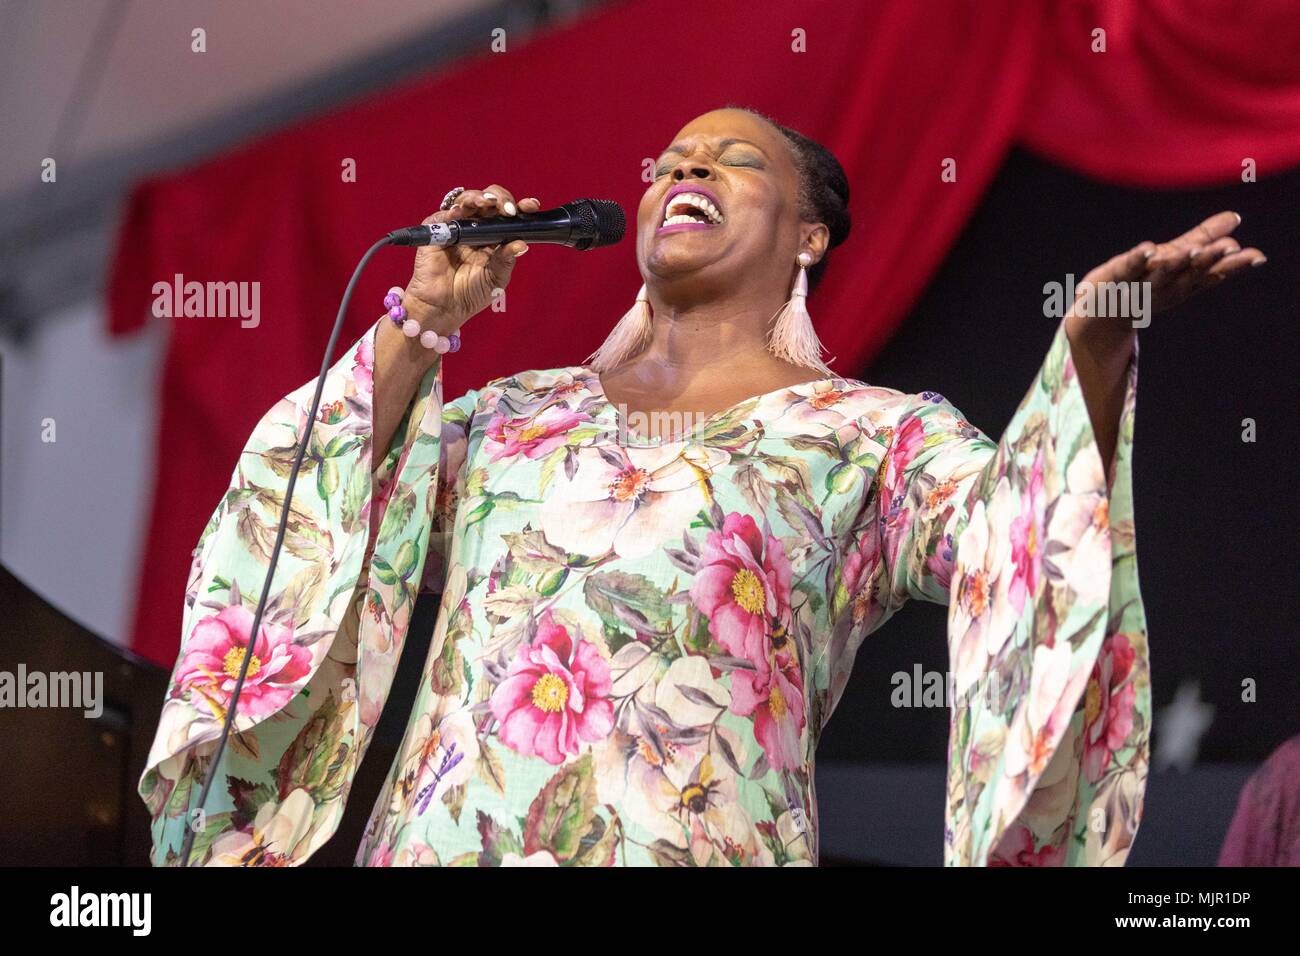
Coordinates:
(823, 188)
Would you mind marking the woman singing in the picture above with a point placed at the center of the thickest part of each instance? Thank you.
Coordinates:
(643, 630)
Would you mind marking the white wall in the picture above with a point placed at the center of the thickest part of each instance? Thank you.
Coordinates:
(73, 511)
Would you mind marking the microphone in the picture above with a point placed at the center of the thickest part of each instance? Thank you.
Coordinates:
(581, 224)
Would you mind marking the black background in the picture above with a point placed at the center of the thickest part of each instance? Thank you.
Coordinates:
(1216, 518)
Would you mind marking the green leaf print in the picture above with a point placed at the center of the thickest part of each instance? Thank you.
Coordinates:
(497, 841)
(623, 600)
(563, 812)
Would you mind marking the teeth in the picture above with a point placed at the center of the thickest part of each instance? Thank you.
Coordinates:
(691, 199)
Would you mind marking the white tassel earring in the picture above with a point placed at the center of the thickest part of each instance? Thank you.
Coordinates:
(793, 337)
(628, 338)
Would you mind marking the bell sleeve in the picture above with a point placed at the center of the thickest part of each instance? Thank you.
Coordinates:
(1030, 543)
(340, 603)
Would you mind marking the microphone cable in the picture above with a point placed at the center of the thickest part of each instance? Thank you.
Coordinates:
(188, 844)
(586, 224)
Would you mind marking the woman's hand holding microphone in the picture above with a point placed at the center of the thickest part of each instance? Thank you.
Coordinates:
(449, 285)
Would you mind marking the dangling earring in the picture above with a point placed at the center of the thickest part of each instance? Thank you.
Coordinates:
(793, 338)
(627, 339)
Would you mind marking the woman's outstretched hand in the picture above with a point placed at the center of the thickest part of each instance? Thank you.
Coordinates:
(451, 284)
(1101, 341)
(1175, 270)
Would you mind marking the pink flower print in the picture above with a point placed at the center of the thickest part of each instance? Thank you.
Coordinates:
(1016, 848)
(776, 703)
(210, 665)
(363, 366)
(907, 442)
(555, 695)
(533, 436)
(743, 588)
(1028, 535)
(1108, 705)
(856, 577)
(940, 563)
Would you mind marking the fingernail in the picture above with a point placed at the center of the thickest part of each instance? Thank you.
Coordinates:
(510, 208)
(1260, 261)
(1148, 254)
(1238, 215)
(521, 251)
(1195, 253)
(489, 195)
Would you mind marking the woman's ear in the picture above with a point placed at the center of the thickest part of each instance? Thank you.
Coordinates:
(816, 238)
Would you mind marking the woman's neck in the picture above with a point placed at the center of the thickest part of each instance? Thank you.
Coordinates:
(704, 356)
(707, 335)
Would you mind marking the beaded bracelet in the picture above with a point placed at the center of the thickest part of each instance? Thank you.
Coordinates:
(442, 344)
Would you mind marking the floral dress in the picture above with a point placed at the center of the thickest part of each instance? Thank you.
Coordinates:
(640, 641)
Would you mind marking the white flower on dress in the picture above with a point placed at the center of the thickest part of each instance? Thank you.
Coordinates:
(1042, 716)
(540, 858)
(1078, 551)
(980, 615)
(630, 499)
(279, 835)
(827, 406)
(440, 751)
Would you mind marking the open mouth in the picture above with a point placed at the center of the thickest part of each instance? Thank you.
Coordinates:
(690, 207)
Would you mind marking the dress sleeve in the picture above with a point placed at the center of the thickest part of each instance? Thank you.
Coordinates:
(1030, 543)
(340, 604)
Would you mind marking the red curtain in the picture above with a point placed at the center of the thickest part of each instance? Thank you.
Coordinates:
(1183, 94)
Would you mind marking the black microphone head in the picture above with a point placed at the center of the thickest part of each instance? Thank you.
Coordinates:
(595, 222)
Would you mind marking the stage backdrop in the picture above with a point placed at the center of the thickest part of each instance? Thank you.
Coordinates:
(1183, 94)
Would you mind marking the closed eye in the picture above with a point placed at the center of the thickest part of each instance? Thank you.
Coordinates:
(753, 163)
(744, 161)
